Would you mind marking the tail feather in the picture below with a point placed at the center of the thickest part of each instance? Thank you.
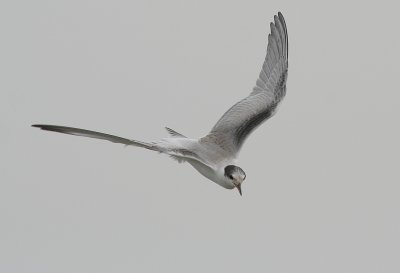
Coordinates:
(93, 134)
(174, 133)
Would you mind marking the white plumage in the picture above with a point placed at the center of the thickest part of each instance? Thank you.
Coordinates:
(214, 155)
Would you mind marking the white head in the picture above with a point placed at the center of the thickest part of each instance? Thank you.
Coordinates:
(235, 175)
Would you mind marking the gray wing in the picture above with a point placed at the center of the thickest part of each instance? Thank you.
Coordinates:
(180, 154)
(93, 134)
(240, 120)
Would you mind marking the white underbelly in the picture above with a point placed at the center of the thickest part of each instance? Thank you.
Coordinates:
(209, 173)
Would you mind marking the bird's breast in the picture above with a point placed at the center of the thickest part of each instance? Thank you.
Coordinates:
(211, 174)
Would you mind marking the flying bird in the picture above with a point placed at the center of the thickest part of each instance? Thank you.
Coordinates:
(215, 155)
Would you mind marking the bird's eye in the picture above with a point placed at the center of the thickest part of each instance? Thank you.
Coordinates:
(231, 177)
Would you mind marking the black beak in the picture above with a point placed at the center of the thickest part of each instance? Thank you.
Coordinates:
(239, 187)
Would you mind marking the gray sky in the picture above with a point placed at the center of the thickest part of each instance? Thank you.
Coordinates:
(322, 187)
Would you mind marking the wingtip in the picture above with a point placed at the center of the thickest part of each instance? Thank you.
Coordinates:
(280, 15)
(41, 126)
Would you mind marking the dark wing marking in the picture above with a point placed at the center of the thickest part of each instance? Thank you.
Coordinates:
(240, 120)
(93, 134)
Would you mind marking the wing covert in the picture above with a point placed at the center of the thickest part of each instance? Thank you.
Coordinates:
(241, 119)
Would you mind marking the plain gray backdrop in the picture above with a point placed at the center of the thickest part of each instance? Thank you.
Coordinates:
(322, 187)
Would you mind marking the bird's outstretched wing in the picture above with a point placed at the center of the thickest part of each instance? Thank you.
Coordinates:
(241, 119)
(93, 134)
(180, 154)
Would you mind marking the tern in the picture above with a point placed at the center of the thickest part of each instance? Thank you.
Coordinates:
(215, 155)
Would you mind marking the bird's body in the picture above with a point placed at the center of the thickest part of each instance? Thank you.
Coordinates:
(210, 158)
(215, 154)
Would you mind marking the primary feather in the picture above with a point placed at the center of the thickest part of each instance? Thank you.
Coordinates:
(214, 155)
(93, 134)
(241, 119)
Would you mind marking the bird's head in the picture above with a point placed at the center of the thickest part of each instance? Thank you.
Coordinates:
(235, 175)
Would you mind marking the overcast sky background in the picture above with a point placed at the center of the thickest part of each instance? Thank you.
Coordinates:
(322, 187)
